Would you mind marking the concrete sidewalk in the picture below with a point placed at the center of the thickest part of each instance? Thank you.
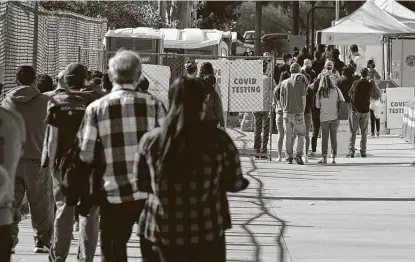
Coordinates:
(356, 210)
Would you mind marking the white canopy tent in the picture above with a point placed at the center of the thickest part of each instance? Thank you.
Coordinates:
(365, 26)
(400, 12)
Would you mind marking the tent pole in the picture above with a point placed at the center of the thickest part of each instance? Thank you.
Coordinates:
(383, 57)
(400, 75)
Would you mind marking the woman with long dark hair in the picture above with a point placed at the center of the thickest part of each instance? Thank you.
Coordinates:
(327, 99)
(187, 167)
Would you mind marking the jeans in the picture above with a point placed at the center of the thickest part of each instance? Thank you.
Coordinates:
(36, 183)
(63, 227)
(281, 133)
(357, 120)
(6, 243)
(307, 121)
(373, 121)
(294, 126)
(329, 128)
(261, 132)
(117, 221)
(315, 115)
(208, 251)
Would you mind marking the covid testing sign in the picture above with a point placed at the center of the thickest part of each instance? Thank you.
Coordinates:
(246, 86)
(397, 99)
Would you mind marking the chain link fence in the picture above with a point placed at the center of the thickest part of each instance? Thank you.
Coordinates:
(244, 85)
(48, 41)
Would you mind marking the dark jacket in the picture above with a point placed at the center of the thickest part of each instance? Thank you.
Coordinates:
(279, 70)
(338, 64)
(360, 95)
(344, 84)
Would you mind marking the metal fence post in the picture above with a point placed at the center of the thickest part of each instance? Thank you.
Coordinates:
(35, 36)
(271, 127)
(79, 54)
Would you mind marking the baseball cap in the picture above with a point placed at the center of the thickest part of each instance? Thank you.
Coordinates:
(75, 73)
(190, 64)
(295, 68)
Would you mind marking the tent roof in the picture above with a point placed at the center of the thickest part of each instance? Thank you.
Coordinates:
(364, 27)
(397, 10)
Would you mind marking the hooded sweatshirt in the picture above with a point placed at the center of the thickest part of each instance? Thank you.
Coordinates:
(32, 105)
(12, 133)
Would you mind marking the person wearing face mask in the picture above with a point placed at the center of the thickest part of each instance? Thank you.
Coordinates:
(373, 74)
(357, 58)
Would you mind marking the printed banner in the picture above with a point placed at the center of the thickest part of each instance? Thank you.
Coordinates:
(221, 68)
(246, 86)
(159, 77)
(397, 99)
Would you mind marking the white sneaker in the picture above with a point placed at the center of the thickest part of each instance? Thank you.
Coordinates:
(305, 159)
(312, 154)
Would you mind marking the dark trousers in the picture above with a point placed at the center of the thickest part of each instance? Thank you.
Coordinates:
(6, 243)
(315, 117)
(214, 250)
(373, 121)
(261, 132)
(117, 221)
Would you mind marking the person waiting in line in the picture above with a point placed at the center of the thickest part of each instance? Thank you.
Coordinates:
(303, 56)
(360, 95)
(288, 60)
(172, 164)
(373, 74)
(293, 101)
(279, 114)
(327, 99)
(375, 109)
(191, 68)
(214, 110)
(334, 56)
(310, 104)
(106, 84)
(44, 83)
(357, 58)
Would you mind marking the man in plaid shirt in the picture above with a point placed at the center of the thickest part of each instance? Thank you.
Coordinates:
(118, 121)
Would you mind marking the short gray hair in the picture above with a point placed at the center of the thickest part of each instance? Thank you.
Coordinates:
(124, 67)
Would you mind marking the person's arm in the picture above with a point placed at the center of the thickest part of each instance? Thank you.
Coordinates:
(141, 169)
(161, 113)
(352, 89)
(318, 101)
(87, 136)
(341, 97)
(233, 180)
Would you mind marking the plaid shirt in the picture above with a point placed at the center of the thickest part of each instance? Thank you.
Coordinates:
(194, 211)
(119, 120)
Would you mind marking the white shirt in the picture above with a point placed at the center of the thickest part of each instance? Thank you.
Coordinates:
(360, 62)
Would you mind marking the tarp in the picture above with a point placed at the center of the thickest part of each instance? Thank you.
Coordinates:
(400, 12)
(364, 27)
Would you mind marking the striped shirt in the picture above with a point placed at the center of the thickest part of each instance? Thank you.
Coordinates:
(196, 209)
(119, 120)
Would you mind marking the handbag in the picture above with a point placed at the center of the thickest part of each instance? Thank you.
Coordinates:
(343, 108)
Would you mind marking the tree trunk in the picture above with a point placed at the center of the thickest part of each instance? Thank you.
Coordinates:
(296, 17)
(184, 14)
(163, 10)
(258, 28)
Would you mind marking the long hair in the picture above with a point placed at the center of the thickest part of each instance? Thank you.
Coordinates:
(180, 141)
(326, 85)
(207, 75)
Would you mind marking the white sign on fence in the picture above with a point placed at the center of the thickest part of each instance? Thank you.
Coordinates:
(397, 99)
(158, 76)
(221, 68)
(246, 86)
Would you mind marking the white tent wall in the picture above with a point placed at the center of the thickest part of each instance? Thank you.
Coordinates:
(403, 62)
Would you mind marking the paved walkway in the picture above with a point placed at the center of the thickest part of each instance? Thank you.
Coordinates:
(356, 210)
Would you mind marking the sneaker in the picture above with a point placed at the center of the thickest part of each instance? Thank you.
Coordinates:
(363, 154)
(40, 247)
(290, 160)
(377, 135)
(305, 159)
(350, 155)
(299, 160)
(312, 154)
(264, 157)
(257, 157)
(372, 135)
(323, 161)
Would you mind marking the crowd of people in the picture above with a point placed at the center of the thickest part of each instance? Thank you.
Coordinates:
(314, 94)
(102, 148)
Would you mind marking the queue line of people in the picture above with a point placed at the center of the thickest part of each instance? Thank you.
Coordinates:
(119, 157)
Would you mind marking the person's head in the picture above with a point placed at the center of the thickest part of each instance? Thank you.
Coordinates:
(334, 54)
(106, 83)
(354, 49)
(144, 84)
(284, 75)
(97, 74)
(209, 82)
(295, 68)
(191, 68)
(97, 81)
(371, 64)
(321, 48)
(295, 52)
(307, 63)
(44, 83)
(206, 69)
(125, 68)
(61, 80)
(304, 51)
(75, 76)
(329, 65)
(364, 73)
(288, 59)
(325, 86)
(25, 76)
(353, 65)
(348, 71)
(268, 55)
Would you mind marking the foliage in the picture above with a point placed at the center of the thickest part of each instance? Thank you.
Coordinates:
(120, 14)
(216, 14)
